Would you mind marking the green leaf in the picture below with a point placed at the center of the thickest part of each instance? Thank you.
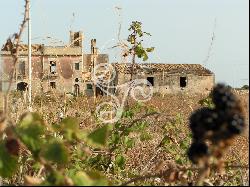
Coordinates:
(140, 33)
(115, 138)
(120, 161)
(97, 178)
(145, 57)
(37, 166)
(8, 163)
(129, 142)
(139, 126)
(69, 123)
(139, 51)
(145, 136)
(151, 49)
(54, 179)
(99, 137)
(128, 114)
(179, 160)
(82, 179)
(190, 173)
(99, 162)
(56, 152)
(89, 178)
(150, 110)
(138, 106)
(184, 144)
(131, 39)
(70, 128)
(166, 141)
(207, 102)
(30, 118)
(117, 125)
(30, 129)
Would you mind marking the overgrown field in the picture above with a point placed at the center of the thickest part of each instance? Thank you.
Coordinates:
(149, 144)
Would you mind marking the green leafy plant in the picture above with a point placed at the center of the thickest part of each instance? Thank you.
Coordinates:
(135, 40)
(51, 147)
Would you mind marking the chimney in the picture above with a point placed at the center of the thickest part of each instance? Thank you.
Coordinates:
(76, 39)
(93, 47)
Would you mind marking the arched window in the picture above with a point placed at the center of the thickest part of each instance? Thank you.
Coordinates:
(76, 89)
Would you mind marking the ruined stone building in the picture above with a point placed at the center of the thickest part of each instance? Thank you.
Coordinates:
(169, 78)
(67, 69)
(57, 68)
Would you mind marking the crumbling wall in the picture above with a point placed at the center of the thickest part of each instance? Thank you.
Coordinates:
(65, 76)
(194, 84)
(170, 83)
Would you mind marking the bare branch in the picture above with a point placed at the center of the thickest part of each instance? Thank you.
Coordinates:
(15, 51)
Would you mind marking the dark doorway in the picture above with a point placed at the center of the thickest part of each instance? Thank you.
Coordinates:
(183, 82)
(99, 91)
(89, 87)
(76, 89)
(53, 85)
(151, 80)
(22, 86)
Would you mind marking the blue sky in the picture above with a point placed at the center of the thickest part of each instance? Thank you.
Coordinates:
(181, 29)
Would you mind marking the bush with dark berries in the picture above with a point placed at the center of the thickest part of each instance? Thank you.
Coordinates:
(214, 129)
(197, 151)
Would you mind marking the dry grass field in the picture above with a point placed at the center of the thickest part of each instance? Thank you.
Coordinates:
(147, 156)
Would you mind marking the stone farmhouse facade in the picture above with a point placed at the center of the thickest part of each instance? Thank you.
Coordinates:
(54, 68)
(67, 69)
(169, 78)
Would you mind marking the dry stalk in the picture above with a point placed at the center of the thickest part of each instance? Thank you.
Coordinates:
(14, 53)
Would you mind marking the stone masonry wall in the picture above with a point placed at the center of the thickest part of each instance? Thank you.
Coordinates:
(164, 83)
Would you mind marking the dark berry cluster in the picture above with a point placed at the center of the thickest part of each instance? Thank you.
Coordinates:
(197, 151)
(215, 127)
